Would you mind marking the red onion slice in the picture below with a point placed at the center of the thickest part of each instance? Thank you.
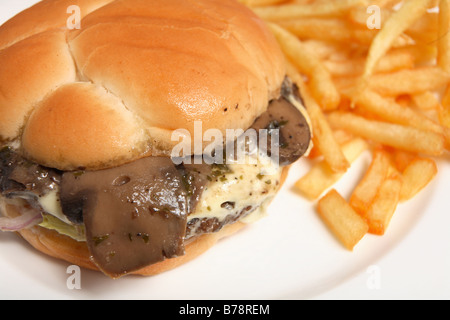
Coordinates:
(28, 219)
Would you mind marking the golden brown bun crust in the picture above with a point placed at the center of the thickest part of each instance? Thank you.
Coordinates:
(64, 248)
(43, 16)
(164, 63)
(28, 71)
(83, 109)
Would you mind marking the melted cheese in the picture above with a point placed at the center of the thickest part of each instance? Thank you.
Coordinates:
(246, 185)
(51, 205)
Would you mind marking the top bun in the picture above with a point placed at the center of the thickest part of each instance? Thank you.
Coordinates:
(115, 89)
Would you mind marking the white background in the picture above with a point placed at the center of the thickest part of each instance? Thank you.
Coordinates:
(288, 255)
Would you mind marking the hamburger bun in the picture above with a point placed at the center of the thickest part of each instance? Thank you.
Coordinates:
(106, 99)
(116, 89)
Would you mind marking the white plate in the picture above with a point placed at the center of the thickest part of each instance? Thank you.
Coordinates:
(288, 255)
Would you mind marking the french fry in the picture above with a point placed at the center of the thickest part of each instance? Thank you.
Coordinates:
(424, 54)
(319, 9)
(417, 175)
(423, 29)
(342, 136)
(342, 220)
(346, 86)
(389, 63)
(409, 81)
(323, 138)
(426, 100)
(366, 190)
(337, 30)
(321, 84)
(384, 205)
(444, 117)
(302, 2)
(332, 30)
(326, 30)
(323, 49)
(402, 159)
(314, 153)
(444, 110)
(398, 136)
(393, 28)
(362, 87)
(403, 40)
(261, 3)
(390, 111)
(395, 60)
(384, 3)
(321, 177)
(443, 39)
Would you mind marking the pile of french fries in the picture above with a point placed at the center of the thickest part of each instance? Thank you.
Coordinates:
(384, 90)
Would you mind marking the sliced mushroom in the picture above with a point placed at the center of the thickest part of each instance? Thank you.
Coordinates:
(286, 124)
(20, 176)
(135, 215)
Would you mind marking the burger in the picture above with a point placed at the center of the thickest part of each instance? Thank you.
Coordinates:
(90, 117)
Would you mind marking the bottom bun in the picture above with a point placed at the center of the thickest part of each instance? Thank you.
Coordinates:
(65, 248)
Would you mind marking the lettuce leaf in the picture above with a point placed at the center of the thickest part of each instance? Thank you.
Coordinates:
(75, 232)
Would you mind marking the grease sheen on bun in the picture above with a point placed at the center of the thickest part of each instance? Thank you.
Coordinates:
(115, 90)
